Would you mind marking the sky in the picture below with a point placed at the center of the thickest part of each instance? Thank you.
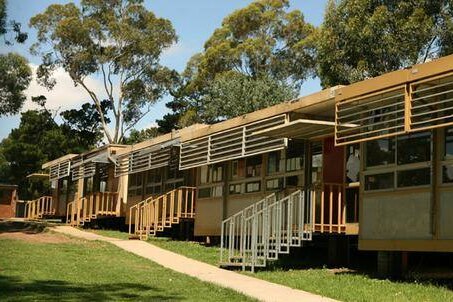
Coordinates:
(194, 22)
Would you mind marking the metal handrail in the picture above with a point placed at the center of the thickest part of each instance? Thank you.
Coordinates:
(265, 229)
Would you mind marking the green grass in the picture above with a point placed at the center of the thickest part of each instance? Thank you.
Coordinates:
(109, 233)
(345, 286)
(93, 271)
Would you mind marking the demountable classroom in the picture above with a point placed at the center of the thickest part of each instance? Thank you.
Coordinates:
(371, 160)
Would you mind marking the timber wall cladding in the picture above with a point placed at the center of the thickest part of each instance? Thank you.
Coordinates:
(142, 160)
(230, 144)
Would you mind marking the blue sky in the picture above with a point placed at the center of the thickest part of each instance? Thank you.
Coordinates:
(194, 22)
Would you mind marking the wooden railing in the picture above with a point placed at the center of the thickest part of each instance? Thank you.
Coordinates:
(91, 207)
(40, 207)
(329, 208)
(156, 213)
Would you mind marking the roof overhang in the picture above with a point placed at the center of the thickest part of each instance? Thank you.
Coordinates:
(38, 175)
(300, 129)
(54, 162)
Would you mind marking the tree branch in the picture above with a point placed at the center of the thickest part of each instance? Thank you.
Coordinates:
(99, 109)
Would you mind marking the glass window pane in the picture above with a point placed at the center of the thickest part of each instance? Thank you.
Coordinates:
(447, 173)
(273, 162)
(414, 148)
(411, 178)
(379, 181)
(253, 187)
(449, 143)
(204, 192)
(380, 152)
(253, 166)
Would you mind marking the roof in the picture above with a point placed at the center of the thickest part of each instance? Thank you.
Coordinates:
(7, 186)
(313, 104)
(396, 78)
(162, 139)
(58, 160)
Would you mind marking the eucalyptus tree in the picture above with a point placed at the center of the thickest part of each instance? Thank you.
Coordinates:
(264, 42)
(359, 39)
(121, 42)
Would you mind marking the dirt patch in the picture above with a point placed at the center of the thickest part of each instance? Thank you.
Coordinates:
(37, 238)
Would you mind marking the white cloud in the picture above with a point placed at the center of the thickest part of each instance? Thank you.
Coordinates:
(64, 95)
(175, 50)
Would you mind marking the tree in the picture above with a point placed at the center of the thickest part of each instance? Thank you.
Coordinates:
(137, 136)
(39, 139)
(121, 41)
(262, 42)
(232, 94)
(84, 124)
(360, 39)
(16, 74)
(10, 26)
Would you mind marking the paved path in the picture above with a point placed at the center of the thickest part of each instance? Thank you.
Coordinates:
(255, 288)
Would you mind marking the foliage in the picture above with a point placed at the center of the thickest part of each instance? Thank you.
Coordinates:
(263, 42)
(120, 40)
(39, 139)
(232, 94)
(8, 26)
(137, 136)
(16, 76)
(84, 124)
(366, 38)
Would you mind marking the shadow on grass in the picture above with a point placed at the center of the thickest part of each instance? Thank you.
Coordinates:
(23, 227)
(15, 289)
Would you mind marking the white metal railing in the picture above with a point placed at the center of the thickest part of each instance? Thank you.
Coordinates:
(264, 230)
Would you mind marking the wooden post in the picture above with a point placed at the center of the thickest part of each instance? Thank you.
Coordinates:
(322, 211)
(340, 203)
(330, 207)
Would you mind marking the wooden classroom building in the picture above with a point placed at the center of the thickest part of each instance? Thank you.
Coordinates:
(378, 153)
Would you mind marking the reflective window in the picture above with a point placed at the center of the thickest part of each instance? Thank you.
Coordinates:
(413, 178)
(447, 173)
(253, 166)
(380, 152)
(449, 143)
(379, 181)
(414, 148)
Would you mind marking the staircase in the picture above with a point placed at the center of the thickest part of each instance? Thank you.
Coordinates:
(154, 214)
(40, 207)
(92, 206)
(264, 230)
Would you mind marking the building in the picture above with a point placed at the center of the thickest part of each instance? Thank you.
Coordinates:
(8, 200)
(370, 161)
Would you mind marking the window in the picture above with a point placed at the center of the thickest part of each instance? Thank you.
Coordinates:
(316, 162)
(380, 181)
(380, 152)
(352, 163)
(414, 148)
(135, 184)
(448, 143)
(237, 169)
(236, 189)
(253, 166)
(214, 191)
(253, 187)
(406, 158)
(212, 173)
(294, 155)
(411, 178)
(293, 181)
(274, 184)
(154, 181)
(273, 162)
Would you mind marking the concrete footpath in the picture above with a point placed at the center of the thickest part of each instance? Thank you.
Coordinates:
(255, 288)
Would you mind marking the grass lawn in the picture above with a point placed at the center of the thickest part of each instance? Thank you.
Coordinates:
(341, 285)
(77, 270)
